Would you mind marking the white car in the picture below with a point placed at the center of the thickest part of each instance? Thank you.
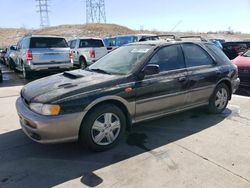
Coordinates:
(87, 50)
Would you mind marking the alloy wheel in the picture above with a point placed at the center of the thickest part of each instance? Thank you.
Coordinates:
(106, 129)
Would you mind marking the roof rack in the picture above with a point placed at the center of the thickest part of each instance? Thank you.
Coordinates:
(193, 36)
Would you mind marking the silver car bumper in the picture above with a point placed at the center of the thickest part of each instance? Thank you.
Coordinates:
(235, 85)
(58, 66)
(49, 129)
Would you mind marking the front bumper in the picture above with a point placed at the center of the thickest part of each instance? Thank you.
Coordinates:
(49, 129)
(235, 85)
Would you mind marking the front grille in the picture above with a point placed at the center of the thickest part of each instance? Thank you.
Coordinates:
(244, 70)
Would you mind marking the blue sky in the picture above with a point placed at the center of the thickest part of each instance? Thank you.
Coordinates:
(161, 15)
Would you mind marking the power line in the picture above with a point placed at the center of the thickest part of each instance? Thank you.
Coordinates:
(43, 9)
(95, 11)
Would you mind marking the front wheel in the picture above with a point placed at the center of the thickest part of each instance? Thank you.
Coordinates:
(102, 128)
(219, 99)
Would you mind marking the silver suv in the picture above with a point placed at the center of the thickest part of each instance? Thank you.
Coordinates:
(87, 50)
(42, 53)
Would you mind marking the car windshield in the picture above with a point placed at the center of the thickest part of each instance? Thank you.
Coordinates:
(122, 60)
(247, 53)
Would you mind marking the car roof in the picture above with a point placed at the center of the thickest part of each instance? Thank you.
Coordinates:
(40, 35)
(82, 38)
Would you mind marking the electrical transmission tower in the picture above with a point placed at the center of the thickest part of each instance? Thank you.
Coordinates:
(43, 9)
(95, 11)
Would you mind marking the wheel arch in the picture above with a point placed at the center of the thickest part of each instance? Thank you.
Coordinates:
(127, 108)
(227, 82)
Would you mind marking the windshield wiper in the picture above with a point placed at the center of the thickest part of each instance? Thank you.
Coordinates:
(99, 70)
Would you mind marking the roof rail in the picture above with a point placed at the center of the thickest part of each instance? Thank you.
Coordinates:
(149, 37)
(192, 37)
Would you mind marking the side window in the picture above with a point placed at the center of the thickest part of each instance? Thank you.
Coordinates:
(25, 43)
(72, 44)
(195, 55)
(168, 58)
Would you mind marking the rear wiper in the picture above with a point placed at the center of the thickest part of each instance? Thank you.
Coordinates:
(99, 70)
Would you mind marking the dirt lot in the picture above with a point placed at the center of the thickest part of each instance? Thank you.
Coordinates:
(190, 149)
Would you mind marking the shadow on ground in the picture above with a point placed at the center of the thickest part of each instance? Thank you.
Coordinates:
(25, 163)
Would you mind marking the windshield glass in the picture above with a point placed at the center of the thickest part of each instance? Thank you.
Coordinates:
(121, 60)
(247, 53)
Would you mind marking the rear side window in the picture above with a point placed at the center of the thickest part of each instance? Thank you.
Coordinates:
(168, 58)
(49, 42)
(218, 53)
(91, 43)
(195, 55)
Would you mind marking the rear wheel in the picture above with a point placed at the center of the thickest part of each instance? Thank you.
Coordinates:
(219, 99)
(82, 62)
(26, 73)
(102, 128)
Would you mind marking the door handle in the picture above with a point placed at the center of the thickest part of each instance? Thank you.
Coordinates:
(182, 79)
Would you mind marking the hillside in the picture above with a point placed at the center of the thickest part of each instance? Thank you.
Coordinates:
(11, 35)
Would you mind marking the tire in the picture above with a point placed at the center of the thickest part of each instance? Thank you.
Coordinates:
(26, 73)
(82, 62)
(100, 138)
(11, 64)
(219, 100)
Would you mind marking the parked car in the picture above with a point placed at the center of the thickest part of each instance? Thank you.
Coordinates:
(217, 43)
(126, 39)
(134, 83)
(10, 55)
(87, 50)
(42, 53)
(2, 54)
(243, 64)
(110, 43)
(232, 49)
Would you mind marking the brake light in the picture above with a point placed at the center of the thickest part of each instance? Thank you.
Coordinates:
(70, 54)
(92, 53)
(29, 55)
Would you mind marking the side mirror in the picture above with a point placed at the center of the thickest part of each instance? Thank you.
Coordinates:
(151, 69)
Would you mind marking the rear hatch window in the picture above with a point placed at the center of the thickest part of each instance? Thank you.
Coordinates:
(91, 43)
(48, 42)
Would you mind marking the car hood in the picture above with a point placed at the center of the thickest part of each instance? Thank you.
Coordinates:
(242, 62)
(60, 86)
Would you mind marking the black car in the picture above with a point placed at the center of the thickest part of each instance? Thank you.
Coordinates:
(134, 83)
(232, 49)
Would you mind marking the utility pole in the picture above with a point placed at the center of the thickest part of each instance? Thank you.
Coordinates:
(95, 11)
(43, 9)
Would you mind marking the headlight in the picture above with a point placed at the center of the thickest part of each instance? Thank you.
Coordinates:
(45, 109)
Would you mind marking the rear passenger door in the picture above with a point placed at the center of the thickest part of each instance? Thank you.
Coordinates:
(202, 73)
(164, 92)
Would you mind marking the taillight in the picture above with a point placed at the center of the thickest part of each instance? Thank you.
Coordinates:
(92, 53)
(70, 54)
(29, 55)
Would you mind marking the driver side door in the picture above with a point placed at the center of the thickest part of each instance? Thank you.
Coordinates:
(165, 92)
